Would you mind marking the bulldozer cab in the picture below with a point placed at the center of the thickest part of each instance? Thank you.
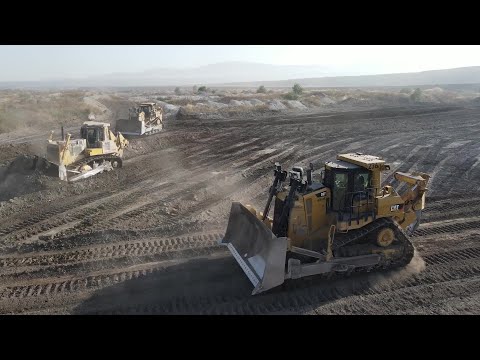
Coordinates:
(355, 181)
(146, 109)
(93, 133)
(350, 184)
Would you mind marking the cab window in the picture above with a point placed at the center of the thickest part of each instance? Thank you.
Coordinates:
(340, 190)
(361, 181)
(92, 136)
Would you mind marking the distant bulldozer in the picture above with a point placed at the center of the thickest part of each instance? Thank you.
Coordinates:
(96, 151)
(146, 119)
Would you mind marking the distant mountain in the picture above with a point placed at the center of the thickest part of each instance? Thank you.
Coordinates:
(254, 74)
(463, 75)
(213, 73)
(203, 75)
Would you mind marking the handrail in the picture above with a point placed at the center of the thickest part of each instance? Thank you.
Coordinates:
(353, 209)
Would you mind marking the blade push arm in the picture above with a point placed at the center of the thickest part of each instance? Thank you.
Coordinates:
(417, 185)
(279, 177)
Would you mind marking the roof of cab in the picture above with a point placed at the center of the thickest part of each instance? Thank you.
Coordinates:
(95, 123)
(361, 159)
(339, 164)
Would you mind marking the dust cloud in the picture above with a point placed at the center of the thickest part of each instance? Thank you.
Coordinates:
(416, 266)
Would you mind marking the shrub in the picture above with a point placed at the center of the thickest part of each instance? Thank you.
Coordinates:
(297, 89)
(291, 96)
(261, 90)
(416, 95)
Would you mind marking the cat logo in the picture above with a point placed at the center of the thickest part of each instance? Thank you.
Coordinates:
(395, 207)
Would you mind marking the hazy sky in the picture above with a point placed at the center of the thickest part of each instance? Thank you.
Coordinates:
(36, 62)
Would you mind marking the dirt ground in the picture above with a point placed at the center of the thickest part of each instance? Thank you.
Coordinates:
(143, 239)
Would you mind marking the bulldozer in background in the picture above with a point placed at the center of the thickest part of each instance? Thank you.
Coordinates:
(98, 150)
(144, 120)
(346, 222)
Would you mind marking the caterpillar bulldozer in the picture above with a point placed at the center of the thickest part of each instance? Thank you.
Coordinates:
(345, 222)
(144, 120)
(96, 151)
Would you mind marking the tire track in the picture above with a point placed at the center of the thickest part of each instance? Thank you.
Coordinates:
(311, 293)
(90, 210)
(388, 303)
(452, 255)
(68, 206)
(132, 248)
(448, 228)
(91, 261)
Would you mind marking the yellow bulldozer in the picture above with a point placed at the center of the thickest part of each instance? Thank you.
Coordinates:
(346, 221)
(143, 120)
(97, 150)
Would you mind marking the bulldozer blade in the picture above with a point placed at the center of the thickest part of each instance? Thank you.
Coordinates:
(62, 172)
(260, 254)
(101, 168)
(410, 229)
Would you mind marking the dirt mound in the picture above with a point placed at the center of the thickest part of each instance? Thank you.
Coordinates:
(184, 114)
(8, 152)
(276, 105)
(295, 104)
(256, 102)
(169, 109)
(236, 103)
(354, 101)
(24, 175)
(216, 105)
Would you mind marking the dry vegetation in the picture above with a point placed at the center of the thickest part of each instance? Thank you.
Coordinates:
(27, 109)
(217, 103)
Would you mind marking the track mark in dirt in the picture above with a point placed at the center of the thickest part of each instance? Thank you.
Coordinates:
(119, 249)
(183, 180)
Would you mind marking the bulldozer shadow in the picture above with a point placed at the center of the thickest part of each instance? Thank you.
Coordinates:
(219, 286)
(178, 288)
